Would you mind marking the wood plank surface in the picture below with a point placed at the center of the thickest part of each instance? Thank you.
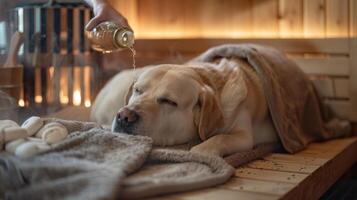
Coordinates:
(265, 18)
(353, 18)
(337, 18)
(226, 194)
(329, 46)
(320, 180)
(288, 158)
(334, 66)
(258, 186)
(291, 18)
(342, 109)
(269, 175)
(353, 78)
(314, 18)
(342, 87)
(282, 166)
(324, 85)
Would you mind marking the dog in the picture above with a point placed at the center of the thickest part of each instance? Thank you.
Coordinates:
(218, 103)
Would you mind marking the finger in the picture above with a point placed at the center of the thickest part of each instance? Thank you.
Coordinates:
(93, 23)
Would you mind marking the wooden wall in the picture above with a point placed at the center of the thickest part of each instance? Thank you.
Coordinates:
(240, 18)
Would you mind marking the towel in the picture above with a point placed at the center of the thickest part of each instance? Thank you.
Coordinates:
(95, 163)
(294, 106)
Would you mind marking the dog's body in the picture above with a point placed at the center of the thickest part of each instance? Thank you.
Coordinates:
(220, 103)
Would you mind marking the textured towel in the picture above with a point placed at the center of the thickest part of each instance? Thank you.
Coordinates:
(293, 103)
(94, 163)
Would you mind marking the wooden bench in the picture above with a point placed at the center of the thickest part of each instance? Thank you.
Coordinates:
(304, 175)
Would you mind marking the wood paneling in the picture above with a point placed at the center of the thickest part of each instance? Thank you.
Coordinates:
(353, 18)
(291, 18)
(314, 18)
(240, 18)
(265, 18)
(337, 18)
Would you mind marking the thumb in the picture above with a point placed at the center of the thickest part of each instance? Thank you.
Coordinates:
(93, 23)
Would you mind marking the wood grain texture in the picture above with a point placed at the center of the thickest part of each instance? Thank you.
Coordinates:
(342, 109)
(326, 175)
(269, 175)
(221, 193)
(288, 158)
(325, 66)
(337, 18)
(265, 18)
(282, 166)
(258, 186)
(341, 87)
(314, 18)
(353, 18)
(353, 78)
(291, 18)
(198, 45)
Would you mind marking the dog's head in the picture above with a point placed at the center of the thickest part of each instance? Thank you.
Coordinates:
(171, 104)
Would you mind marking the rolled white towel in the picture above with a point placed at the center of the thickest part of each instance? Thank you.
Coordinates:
(32, 125)
(11, 146)
(30, 148)
(52, 133)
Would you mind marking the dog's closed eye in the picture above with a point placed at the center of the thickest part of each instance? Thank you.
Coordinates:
(138, 91)
(162, 100)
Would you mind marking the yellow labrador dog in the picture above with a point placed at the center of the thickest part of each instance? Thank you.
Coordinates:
(220, 103)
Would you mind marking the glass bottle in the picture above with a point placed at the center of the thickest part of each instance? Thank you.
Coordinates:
(108, 37)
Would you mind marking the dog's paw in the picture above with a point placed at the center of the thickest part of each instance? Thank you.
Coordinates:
(204, 149)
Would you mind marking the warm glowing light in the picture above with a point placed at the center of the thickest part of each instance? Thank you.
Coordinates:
(63, 99)
(50, 84)
(38, 99)
(86, 77)
(77, 98)
(87, 103)
(21, 103)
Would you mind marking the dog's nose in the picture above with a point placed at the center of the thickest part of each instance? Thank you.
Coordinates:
(126, 116)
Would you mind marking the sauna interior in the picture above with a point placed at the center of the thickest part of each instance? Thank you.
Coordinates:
(57, 74)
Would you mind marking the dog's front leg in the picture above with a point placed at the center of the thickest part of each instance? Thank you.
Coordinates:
(226, 144)
(239, 139)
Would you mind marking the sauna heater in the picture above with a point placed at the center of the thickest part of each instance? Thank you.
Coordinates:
(59, 67)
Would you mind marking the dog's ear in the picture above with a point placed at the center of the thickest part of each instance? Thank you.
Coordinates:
(210, 115)
(129, 93)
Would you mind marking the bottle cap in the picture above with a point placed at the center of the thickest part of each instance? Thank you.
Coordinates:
(124, 38)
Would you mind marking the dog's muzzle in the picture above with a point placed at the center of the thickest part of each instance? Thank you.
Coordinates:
(125, 120)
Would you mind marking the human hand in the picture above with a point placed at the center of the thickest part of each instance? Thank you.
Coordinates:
(104, 12)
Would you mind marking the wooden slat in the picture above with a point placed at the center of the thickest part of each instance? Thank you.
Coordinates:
(353, 78)
(342, 88)
(353, 18)
(342, 109)
(265, 18)
(324, 86)
(337, 18)
(295, 159)
(332, 45)
(258, 186)
(242, 20)
(282, 166)
(314, 18)
(327, 150)
(324, 66)
(269, 175)
(291, 18)
(219, 193)
(319, 181)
